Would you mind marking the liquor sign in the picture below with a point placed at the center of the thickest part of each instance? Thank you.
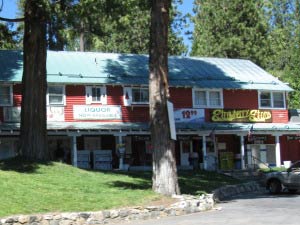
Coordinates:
(99, 112)
(189, 115)
(241, 115)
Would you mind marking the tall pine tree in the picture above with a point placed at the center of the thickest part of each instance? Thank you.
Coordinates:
(164, 176)
(231, 29)
(291, 72)
(33, 136)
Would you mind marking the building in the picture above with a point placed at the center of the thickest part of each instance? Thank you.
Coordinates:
(229, 113)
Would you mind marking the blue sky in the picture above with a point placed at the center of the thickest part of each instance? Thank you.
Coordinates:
(10, 10)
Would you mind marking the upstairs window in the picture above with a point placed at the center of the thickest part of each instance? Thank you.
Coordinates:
(268, 99)
(207, 98)
(5, 95)
(96, 94)
(56, 95)
(140, 95)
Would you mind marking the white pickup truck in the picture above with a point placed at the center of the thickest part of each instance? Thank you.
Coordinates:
(290, 179)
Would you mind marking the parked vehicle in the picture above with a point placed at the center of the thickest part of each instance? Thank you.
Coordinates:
(278, 181)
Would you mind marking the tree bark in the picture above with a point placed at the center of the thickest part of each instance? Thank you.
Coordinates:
(33, 138)
(81, 39)
(164, 178)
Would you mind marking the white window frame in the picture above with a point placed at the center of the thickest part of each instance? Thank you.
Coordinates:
(10, 93)
(139, 103)
(207, 91)
(63, 93)
(272, 100)
(89, 95)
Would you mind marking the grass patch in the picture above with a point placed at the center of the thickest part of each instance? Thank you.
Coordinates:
(32, 187)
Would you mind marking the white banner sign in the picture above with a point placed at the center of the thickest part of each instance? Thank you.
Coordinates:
(171, 120)
(54, 113)
(100, 112)
(189, 115)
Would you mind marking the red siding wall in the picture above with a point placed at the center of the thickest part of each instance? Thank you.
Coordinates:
(114, 95)
(290, 149)
(181, 97)
(75, 95)
(240, 99)
(280, 116)
(17, 90)
(135, 113)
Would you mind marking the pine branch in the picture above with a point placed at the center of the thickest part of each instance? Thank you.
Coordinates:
(12, 20)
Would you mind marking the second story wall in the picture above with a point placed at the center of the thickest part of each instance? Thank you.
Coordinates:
(240, 99)
(182, 98)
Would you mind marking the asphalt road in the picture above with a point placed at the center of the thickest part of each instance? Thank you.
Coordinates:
(253, 209)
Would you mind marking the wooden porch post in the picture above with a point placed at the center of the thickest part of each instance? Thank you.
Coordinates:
(242, 152)
(277, 151)
(204, 152)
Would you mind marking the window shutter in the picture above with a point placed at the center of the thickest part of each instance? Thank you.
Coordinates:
(103, 96)
(127, 96)
(88, 95)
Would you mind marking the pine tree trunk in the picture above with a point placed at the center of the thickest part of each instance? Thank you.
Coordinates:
(164, 178)
(33, 138)
(81, 38)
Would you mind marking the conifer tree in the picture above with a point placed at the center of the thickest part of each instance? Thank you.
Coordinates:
(231, 29)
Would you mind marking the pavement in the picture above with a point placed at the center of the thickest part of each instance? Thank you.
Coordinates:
(252, 209)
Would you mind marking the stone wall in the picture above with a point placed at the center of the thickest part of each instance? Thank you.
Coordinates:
(184, 205)
(229, 191)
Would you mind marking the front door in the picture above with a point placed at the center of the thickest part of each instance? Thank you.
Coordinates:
(185, 150)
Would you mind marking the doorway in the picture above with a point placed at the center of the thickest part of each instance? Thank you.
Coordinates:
(186, 148)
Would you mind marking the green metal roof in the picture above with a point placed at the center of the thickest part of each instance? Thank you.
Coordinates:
(129, 69)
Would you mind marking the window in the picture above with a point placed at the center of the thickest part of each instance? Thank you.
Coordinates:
(207, 98)
(96, 94)
(5, 95)
(140, 95)
(272, 99)
(56, 95)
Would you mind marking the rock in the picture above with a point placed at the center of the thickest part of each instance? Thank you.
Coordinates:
(9, 220)
(69, 216)
(48, 217)
(106, 214)
(44, 222)
(66, 222)
(97, 216)
(123, 213)
(53, 222)
(114, 214)
(23, 219)
(34, 218)
(84, 215)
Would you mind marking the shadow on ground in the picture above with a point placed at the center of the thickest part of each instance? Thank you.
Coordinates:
(22, 165)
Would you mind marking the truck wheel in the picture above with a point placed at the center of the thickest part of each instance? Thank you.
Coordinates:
(275, 187)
